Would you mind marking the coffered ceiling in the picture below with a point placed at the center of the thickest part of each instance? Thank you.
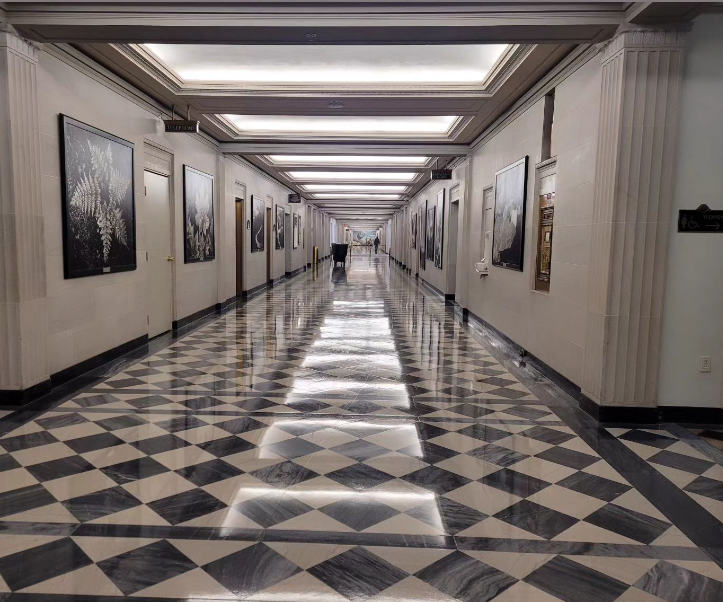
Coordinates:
(348, 103)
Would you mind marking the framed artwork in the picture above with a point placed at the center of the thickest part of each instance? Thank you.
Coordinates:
(295, 233)
(258, 215)
(430, 232)
(508, 233)
(198, 241)
(439, 230)
(280, 227)
(99, 213)
(422, 236)
(414, 231)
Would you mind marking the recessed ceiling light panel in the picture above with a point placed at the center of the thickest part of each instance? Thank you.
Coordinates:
(338, 125)
(354, 187)
(353, 176)
(357, 195)
(348, 65)
(348, 160)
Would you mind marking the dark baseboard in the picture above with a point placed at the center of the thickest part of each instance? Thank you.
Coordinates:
(465, 314)
(690, 415)
(194, 317)
(274, 281)
(444, 297)
(449, 296)
(19, 397)
(246, 295)
(606, 414)
(226, 304)
(308, 264)
(295, 272)
(24, 396)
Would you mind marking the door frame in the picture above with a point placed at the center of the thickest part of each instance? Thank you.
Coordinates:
(159, 160)
(239, 229)
(270, 244)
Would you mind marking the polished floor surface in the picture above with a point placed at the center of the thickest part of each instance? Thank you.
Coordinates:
(345, 436)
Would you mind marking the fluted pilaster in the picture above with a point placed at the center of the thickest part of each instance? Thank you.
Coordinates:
(641, 79)
(23, 314)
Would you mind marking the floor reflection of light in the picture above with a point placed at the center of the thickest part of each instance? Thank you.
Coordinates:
(310, 385)
(386, 360)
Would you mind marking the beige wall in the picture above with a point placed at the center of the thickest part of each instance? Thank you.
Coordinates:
(88, 316)
(548, 325)
(692, 308)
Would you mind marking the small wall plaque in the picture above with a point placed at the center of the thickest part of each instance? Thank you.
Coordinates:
(702, 219)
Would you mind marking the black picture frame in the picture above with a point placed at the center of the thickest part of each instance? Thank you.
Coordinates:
(258, 217)
(199, 242)
(508, 242)
(439, 230)
(430, 231)
(280, 227)
(422, 229)
(86, 172)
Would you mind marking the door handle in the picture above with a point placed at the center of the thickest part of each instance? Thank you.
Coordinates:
(169, 258)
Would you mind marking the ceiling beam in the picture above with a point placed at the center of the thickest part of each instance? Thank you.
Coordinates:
(343, 148)
(333, 22)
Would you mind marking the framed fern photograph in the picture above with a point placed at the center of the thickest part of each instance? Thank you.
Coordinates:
(99, 214)
(199, 242)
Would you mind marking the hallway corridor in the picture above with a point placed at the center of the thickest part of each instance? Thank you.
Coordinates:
(344, 436)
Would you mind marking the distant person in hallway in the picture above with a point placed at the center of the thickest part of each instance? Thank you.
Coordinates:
(377, 242)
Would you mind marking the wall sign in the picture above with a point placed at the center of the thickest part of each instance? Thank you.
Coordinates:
(294, 197)
(702, 219)
(441, 174)
(181, 125)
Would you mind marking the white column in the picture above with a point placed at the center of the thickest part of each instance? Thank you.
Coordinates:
(640, 92)
(23, 290)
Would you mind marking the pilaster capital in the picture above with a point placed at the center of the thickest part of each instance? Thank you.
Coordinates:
(634, 37)
(10, 41)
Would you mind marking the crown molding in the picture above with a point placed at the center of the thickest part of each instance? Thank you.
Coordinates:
(564, 69)
(87, 66)
(629, 37)
(144, 59)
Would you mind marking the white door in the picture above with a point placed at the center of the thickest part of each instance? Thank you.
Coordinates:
(160, 260)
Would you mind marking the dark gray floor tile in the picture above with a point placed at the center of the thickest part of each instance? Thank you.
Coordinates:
(145, 566)
(547, 435)
(536, 519)
(647, 438)
(451, 516)
(484, 432)
(284, 474)
(26, 568)
(436, 479)
(186, 506)
(594, 486)
(61, 420)
(240, 425)
(158, 445)
(270, 510)
(121, 422)
(359, 477)
(294, 448)
(25, 498)
(676, 584)
(252, 569)
(359, 514)
(707, 487)
(209, 472)
(28, 441)
(93, 442)
(573, 582)
(226, 446)
(134, 470)
(637, 526)
(681, 462)
(568, 457)
(360, 450)
(101, 503)
(358, 574)
(465, 578)
(57, 469)
(495, 454)
(514, 482)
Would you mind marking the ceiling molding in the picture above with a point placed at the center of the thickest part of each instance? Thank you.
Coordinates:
(343, 148)
(80, 62)
(503, 67)
(571, 63)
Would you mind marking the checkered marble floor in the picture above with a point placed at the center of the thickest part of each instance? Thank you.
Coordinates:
(690, 464)
(339, 438)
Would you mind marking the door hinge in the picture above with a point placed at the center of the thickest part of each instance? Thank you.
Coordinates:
(146, 255)
(145, 191)
(148, 320)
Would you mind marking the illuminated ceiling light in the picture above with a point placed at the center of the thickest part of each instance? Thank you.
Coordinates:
(354, 187)
(347, 160)
(357, 196)
(338, 125)
(353, 176)
(350, 65)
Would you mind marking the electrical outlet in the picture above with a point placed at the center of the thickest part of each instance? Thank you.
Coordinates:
(705, 363)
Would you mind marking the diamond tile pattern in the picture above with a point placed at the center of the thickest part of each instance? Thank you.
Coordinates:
(340, 440)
